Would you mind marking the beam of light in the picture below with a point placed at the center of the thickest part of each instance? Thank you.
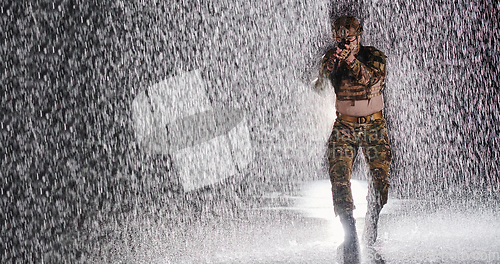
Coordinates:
(316, 202)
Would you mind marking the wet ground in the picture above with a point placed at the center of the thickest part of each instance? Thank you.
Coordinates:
(302, 228)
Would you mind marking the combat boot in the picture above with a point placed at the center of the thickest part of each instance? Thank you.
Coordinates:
(350, 247)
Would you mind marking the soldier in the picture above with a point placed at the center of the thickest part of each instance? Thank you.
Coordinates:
(357, 74)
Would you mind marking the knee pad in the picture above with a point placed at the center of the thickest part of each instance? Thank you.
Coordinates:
(340, 170)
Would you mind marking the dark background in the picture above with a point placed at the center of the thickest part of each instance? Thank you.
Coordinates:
(71, 69)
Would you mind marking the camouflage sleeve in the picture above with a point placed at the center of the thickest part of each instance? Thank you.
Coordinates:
(371, 72)
(327, 64)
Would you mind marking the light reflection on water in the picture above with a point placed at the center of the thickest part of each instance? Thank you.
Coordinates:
(409, 230)
(316, 202)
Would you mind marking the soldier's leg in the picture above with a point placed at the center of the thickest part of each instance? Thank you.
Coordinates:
(342, 149)
(378, 155)
(341, 153)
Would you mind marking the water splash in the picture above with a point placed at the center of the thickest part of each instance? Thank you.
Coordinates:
(72, 172)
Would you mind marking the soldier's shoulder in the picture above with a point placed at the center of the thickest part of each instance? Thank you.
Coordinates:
(374, 54)
(374, 51)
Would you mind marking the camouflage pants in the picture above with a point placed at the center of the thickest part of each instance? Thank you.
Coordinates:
(343, 145)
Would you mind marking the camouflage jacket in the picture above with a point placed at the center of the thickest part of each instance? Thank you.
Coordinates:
(361, 80)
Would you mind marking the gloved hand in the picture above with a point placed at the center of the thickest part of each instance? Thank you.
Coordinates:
(330, 63)
(346, 54)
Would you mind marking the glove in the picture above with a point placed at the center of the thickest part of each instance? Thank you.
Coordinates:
(330, 63)
(344, 54)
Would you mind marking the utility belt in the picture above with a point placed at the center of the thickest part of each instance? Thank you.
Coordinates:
(361, 119)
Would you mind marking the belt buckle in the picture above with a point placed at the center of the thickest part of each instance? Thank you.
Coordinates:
(362, 119)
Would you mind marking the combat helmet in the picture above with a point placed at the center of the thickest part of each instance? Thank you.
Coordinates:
(345, 27)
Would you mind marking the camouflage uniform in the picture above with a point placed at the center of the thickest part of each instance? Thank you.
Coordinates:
(362, 80)
(358, 74)
(345, 140)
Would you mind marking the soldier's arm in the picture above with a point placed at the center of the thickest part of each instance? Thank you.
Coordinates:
(327, 63)
(327, 66)
(371, 72)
